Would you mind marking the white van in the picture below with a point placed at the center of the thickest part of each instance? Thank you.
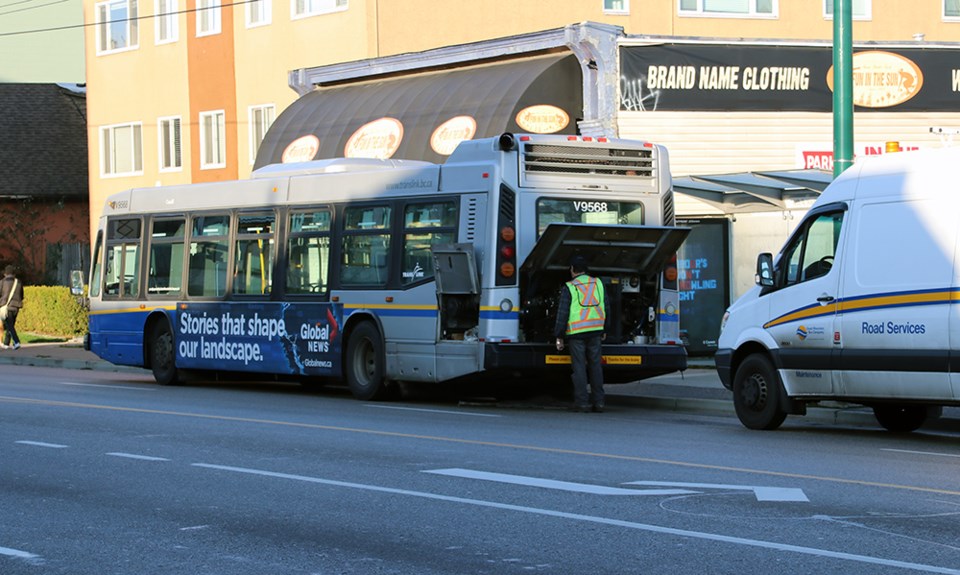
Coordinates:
(861, 305)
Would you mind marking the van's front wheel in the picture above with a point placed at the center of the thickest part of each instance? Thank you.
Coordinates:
(757, 393)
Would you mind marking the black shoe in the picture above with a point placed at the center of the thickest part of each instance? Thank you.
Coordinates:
(598, 408)
(579, 409)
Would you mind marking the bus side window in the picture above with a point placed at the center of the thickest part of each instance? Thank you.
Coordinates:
(366, 246)
(122, 255)
(308, 252)
(208, 256)
(253, 259)
(425, 225)
(165, 273)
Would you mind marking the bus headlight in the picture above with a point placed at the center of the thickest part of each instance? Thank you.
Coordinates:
(506, 306)
(723, 322)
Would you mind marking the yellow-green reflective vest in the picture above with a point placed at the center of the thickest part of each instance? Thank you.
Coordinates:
(586, 305)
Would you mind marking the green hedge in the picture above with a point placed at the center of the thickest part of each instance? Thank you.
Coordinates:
(52, 310)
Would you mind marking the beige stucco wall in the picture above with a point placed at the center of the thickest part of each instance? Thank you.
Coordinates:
(138, 85)
(153, 81)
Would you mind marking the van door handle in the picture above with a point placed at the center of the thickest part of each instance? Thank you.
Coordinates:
(826, 298)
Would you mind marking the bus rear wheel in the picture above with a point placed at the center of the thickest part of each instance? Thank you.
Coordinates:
(162, 355)
(756, 394)
(364, 365)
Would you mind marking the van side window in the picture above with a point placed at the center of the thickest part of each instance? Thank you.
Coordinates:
(810, 254)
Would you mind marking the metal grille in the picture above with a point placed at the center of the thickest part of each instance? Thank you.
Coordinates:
(668, 213)
(541, 158)
(471, 219)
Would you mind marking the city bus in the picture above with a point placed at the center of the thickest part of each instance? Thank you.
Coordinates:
(377, 272)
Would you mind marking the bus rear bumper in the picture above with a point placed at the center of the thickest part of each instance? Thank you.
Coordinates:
(623, 363)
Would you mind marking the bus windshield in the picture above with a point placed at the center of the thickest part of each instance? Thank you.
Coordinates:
(572, 211)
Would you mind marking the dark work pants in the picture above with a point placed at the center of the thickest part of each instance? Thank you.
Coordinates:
(9, 327)
(586, 357)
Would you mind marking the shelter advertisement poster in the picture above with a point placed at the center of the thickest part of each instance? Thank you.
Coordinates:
(274, 337)
(702, 271)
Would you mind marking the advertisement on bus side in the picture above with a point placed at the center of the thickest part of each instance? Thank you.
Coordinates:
(290, 338)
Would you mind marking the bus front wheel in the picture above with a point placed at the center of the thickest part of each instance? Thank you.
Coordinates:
(756, 394)
(364, 365)
(162, 355)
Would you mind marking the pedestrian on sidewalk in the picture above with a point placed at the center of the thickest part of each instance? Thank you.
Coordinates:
(581, 318)
(11, 298)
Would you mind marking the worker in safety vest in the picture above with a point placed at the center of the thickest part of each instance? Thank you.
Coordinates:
(581, 316)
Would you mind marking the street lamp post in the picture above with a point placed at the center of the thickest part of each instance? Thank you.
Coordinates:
(842, 86)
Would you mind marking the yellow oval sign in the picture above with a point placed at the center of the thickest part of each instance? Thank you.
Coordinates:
(377, 139)
(303, 149)
(449, 134)
(882, 79)
(542, 119)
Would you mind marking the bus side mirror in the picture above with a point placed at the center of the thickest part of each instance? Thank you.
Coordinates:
(76, 282)
(764, 275)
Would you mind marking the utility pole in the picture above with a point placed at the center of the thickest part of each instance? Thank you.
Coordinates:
(842, 85)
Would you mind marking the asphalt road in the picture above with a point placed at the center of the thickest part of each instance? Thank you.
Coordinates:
(107, 473)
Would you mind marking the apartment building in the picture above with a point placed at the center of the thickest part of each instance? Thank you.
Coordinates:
(188, 90)
(184, 90)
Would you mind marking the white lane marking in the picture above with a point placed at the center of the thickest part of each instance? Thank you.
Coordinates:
(761, 493)
(553, 484)
(135, 456)
(194, 528)
(42, 444)
(431, 410)
(598, 520)
(108, 386)
(17, 553)
(921, 452)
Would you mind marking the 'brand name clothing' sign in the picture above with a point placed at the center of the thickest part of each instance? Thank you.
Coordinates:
(672, 77)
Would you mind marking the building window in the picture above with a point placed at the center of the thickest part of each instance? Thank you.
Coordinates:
(951, 9)
(261, 117)
(304, 8)
(169, 145)
(616, 6)
(166, 22)
(213, 140)
(861, 9)
(258, 13)
(121, 147)
(208, 17)
(729, 8)
(117, 26)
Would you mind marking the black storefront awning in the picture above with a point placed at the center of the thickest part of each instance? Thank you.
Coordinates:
(402, 115)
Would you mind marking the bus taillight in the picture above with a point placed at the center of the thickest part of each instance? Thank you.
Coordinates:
(670, 274)
(506, 238)
(507, 252)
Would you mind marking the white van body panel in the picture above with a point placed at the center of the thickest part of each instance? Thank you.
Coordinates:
(884, 322)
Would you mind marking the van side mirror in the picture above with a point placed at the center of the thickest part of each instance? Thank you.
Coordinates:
(764, 275)
(76, 282)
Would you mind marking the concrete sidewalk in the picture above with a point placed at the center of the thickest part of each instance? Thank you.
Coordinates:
(698, 389)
